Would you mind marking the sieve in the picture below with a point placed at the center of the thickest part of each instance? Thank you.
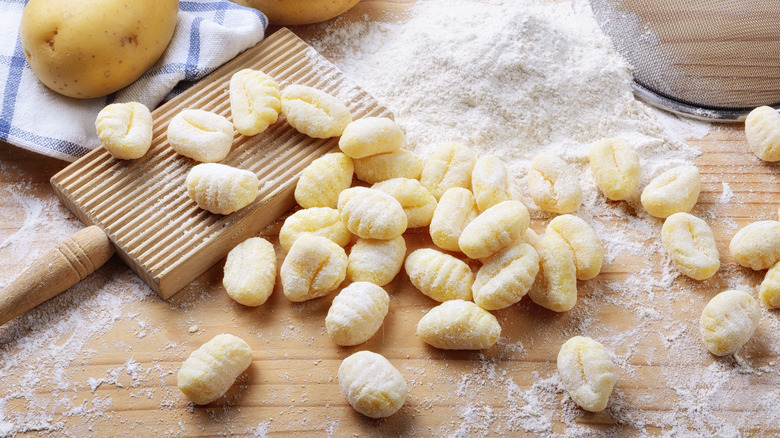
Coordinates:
(706, 59)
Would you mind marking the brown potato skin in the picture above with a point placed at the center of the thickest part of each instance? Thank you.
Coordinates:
(294, 12)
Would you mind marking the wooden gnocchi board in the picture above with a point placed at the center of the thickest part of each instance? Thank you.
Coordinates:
(142, 205)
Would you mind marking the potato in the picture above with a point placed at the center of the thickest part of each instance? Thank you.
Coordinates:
(292, 12)
(88, 49)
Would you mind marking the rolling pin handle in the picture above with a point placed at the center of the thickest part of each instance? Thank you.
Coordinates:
(59, 269)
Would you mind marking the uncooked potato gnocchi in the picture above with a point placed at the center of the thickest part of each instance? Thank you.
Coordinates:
(212, 369)
(587, 372)
(459, 325)
(399, 164)
(553, 184)
(583, 241)
(450, 166)
(489, 182)
(221, 189)
(356, 313)
(615, 168)
(314, 112)
(125, 129)
(691, 245)
(371, 214)
(371, 136)
(556, 287)
(255, 102)
(729, 321)
(323, 180)
(762, 129)
(371, 384)
(493, 229)
(376, 261)
(769, 291)
(673, 191)
(250, 272)
(314, 267)
(440, 276)
(415, 199)
(757, 245)
(454, 211)
(506, 276)
(201, 135)
(322, 221)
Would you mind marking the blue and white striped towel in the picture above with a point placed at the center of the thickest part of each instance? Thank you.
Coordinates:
(208, 34)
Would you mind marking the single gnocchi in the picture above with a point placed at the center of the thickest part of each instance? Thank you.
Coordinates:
(729, 321)
(125, 129)
(250, 272)
(356, 313)
(314, 112)
(583, 241)
(323, 180)
(322, 221)
(440, 276)
(371, 384)
(615, 168)
(399, 164)
(454, 211)
(371, 136)
(459, 325)
(371, 214)
(211, 370)
(221, 189)
(691, 245)
(673, 191)
(556, 287)
(255, 102)
(314, 267)
(553, 184)
(201, 135)
(493, 229)
(415, 199)
(489, 182)
(757, 245)
(769, 291)
(376, 261)
(762, 129)
(450, 166)
(506, 276)
(587, 372)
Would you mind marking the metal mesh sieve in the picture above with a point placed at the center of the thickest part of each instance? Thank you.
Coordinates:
(707, 59)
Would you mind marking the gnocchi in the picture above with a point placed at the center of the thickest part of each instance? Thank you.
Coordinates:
(314, 267)
(691, 244)
(371, 214)
(454, 211)
(615, 168)
(221, 189)
(440, 276)
(356, 313)
(323, 180)
(587, 372)
(255, 102)
(376, 261)
(584, 243)
(211, 370)
(553, 184)
(762, 129)
(322, 221)
(729, 321)
(371, 136)
(371, 384)
(459, 325)
(489, 182)
(201, 135)
(415, 199)
(314, 112)
(450, 166)
(757, 245)
(125, 129)
(769, 291)
(399, 164)
(673, 191)
(495, 228)
(506, 276)
(250, 272)
(556, 287)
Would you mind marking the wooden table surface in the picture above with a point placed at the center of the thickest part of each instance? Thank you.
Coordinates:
(101, 359)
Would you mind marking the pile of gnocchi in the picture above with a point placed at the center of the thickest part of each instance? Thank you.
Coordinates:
(357, 203)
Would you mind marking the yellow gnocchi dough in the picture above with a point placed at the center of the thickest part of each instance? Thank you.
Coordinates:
(376, 261)
(459, 325)
(506, 276)
(454, 211)
(314, 112)
(757, 245)
(125, 129)
(356, 313)
(314, 267)
(587, 372)
(584, 243)
(553, 184)
(673, 191)
(615, 168)
(255, 102)
(201, 135)
(399, 164)
(221, 189)
(489, 182)
(371, 214)
(450, 166)
(371, 136)
(250, 272)
(322, 221)
(323, 180)
(769, 291)
(556, 287)
(415, 199)
(440, 276)
(729, 321)
(372, 385)
(493, 229)
(762, 129)
(691, 244)
(211, 370)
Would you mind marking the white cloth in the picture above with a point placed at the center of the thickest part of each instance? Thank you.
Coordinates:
(208, 34)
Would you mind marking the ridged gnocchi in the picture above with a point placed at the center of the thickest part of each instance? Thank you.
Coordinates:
(691, 245)
(323, 180)
(583, 241)
(673, 191)
(553, 184)
(371, 136)
(356, 313)
(615, 168)
(769, 291)
(314, 112)
(506, 276)
(459, 325)
(587, 372)
(399, 164)
(440, 276)
(489, 182)
(757, 245)
(493, 229)
(255, 102)
(454, 211)
(729, 321)
(211, 370)
(250, 272)
(314, 267)
(322, 221)
(415, 199)
(450, 166)
(372, 385)
(371, 214)
(762, 129)
(376, 261)
(221, 189)
(125, 129)
(556, 287)
(201, 135)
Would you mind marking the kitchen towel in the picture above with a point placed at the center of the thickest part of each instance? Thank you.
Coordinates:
(208, 34)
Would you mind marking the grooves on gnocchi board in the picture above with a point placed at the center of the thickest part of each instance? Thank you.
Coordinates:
(142, 205)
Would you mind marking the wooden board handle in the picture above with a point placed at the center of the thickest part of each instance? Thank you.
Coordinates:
(62, 267)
